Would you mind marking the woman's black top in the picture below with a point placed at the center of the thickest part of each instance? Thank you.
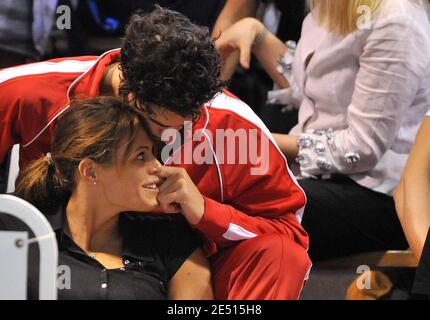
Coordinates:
(154, 248)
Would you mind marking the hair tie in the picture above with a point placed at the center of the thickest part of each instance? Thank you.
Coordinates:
(49, 158)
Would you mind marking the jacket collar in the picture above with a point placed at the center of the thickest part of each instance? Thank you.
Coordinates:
(88, 84)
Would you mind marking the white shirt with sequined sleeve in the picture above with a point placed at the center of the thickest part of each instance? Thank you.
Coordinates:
(361, 98)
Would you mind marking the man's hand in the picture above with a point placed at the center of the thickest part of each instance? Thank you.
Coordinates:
(240, 37)
(178, 193)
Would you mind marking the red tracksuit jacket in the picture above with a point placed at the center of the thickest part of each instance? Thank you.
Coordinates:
(238, 204)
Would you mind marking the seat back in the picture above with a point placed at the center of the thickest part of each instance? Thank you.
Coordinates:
(13, 252)
(13, 169)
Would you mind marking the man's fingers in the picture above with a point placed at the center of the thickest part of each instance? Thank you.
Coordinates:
(171, 175)
(168, 204)
(245, 56)
(166, 184)
(166, 171)
(168, 198)
(227, 51)
(171, 184)
(172, 208)
(224, 49)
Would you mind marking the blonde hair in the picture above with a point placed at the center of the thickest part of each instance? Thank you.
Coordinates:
(341, 16)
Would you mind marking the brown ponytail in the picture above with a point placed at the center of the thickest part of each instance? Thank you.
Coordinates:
(41, 184)
(92, 129)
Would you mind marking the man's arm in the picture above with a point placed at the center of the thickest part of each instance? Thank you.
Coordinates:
(193, 279)
(9, 113)
(249, 36)
(270, 201)
(259, 195)
(233, 11)
(413, 191)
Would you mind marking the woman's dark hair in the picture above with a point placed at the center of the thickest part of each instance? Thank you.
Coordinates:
(92, 129)
(170, 62)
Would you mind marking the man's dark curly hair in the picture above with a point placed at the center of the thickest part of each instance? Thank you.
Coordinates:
(170, 62)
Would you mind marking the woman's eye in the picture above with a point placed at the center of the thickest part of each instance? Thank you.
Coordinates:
(141, 156)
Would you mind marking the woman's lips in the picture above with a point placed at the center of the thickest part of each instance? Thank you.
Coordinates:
(151, 186)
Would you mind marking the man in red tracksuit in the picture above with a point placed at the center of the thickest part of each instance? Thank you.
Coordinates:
(168, 68)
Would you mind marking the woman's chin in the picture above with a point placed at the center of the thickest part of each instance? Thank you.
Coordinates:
(147, 201)
(148, 205)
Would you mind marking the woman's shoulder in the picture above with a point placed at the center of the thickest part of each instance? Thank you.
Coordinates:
(403, 10)
(405, 21)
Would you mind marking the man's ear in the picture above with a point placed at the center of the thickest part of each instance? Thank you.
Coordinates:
(87, 171)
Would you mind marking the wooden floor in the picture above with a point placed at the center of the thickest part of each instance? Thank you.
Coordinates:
(378, 259)
(329, 280)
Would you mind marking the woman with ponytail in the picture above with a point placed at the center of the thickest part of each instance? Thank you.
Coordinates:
(360, 78)
(102, 165)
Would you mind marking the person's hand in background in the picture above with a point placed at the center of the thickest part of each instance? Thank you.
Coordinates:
(240, 37)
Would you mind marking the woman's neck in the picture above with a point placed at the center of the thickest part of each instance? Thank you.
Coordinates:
(93, 227)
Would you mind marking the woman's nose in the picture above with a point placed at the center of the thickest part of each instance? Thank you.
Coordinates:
(155, 166)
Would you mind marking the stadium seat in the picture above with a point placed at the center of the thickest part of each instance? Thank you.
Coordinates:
(14, 252)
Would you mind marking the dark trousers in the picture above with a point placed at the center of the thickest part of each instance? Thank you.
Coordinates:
(344, 218)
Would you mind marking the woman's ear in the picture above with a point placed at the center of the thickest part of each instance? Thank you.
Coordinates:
(87, 171)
